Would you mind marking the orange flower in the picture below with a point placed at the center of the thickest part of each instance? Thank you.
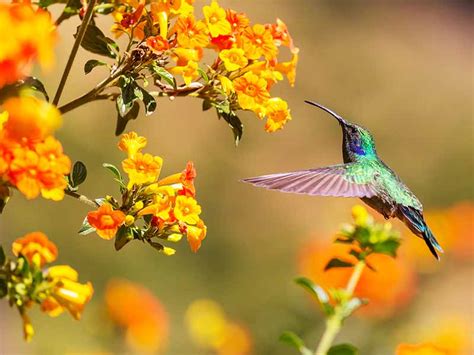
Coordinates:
(166, 6)
(289, 68)
(142, 168)
(140, 313)
(183, 56)
(395, 279)
(189, 71)
(278, 114)
(106, 221)
(33, 38)
(257, 41)
(238, 21)
(66, 292)
(36, 247)
(216, 20)
(421, 349)
(157, 43)
(191, 34)
(233, 58)
(187, 179)
(282, 36)
(196, 235)
(30, 119)
(461, 217)
(132, 143)
(251, 91)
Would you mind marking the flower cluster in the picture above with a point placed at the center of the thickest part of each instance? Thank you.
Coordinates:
(151, 208)
(137, 311)
(26, 281)
(31, 159)
(171, 44)
(211, 329)
(26, 35)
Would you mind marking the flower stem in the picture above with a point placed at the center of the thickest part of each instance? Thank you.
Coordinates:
(334, 322)
(75, 48)
(81, 198)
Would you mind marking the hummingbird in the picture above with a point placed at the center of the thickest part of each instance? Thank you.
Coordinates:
(363, 175)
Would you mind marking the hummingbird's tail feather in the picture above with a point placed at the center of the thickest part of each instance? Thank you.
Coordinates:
(413, 218)
(329, 181)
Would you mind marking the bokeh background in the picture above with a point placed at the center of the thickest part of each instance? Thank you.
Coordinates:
(403, 69)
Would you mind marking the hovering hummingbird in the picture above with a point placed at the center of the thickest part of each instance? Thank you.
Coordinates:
(362, 175)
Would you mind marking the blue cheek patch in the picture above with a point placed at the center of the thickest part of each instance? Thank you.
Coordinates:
(357, 149)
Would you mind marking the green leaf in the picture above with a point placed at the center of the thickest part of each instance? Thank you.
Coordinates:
(2, 256)
(164, 74)
(123, 236)
(388, 247)
(295, 341)
(203, 75)
(206, 104)
(343, 349)
(235, 124)
(129, 93)
(149, 102)
(112, 168)
(33, 83)
(79, 174)
(3, 288)
(91, 64)
(96, 42)
(4, 196)
(86, 228)
(335, 262)
(72, 8)
(318, 292)
(122, 121)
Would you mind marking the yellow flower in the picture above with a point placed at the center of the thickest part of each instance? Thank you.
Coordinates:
(196, 235)
(233, 58)
(226, 84)
(216, 20)
(277, 114)
(289, 68)
(258, 41)
(162, 203)
(36, 248)
(187, 210)
(66, 292)
(28, 330)
(132, 143)
(142, 168)
(251, 91)
(189, 71)
(183, 56)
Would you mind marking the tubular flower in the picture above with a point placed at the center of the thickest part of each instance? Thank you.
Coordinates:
(257, 41)
(289, 68)
(191, 33)
(187, 180)
(158, 43)
(238, 21)
(131, 143)
(33, 39)
(189, 71)
(142, 168)
(282, 36)
(233, 58)
(187, 210)
(216, 20)
(142, 316)
(277, 113)
(251, 90)
(421, 349)
(167, 6)
(36, 248)
(106, 221)
(196, 235)
(66, 292)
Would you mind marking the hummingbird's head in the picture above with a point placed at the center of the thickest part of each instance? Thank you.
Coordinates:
(356, 139)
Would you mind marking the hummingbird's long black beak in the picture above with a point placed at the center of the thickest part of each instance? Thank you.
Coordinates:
(332, 113)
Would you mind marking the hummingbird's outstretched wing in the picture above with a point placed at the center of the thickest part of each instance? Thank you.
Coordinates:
(337, 180)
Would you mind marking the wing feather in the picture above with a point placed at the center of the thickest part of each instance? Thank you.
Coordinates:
(329, 181)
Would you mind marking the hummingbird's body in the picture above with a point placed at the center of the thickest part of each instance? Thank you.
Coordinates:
(362, 175)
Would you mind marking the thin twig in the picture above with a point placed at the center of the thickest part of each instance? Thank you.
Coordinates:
(75, 48)
(81, 198)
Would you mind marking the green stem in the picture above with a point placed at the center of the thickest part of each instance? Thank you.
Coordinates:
(75, 48)
(334, 322)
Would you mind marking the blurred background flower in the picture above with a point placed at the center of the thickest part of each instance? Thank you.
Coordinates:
(210, 329)
(139, 314)
(398, 68)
